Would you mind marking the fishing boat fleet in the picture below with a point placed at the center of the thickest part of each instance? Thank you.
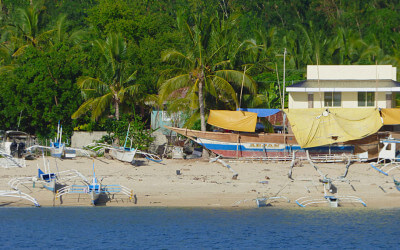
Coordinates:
(58, 184)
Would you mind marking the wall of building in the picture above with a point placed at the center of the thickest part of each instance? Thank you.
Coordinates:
(299, 100)
(353, 72)
(80, 139)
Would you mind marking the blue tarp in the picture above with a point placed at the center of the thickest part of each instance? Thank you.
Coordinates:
(261, 112)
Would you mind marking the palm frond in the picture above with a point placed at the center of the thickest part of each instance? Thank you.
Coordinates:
(131, 77)
(175, 57)
(20, 50)
(100, 104)
(83, 109)
(237, 78)
(222, 86)
(131, 91)
(87, 82)
(195, 116)
(173, 84)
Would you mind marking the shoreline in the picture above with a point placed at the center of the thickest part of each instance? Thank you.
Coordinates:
(202, 184)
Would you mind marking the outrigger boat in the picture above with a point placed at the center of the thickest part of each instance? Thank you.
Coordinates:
(46, 177)
(322, 137)
(58, 148)
(329, 190)
(125, 153)
(95, 189)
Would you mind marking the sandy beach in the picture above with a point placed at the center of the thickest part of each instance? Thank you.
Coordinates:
(205, 184)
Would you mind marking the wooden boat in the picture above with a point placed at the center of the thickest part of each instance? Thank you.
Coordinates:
(278, 146)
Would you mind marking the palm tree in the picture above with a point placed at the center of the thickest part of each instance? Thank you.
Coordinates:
(203, 68)
(113, 85)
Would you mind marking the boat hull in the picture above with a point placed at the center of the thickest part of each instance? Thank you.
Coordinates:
(279, 146)
(123, 155)
(94, 197)
(269, 150)
(69, 153)
(50, 185)
(56, 152)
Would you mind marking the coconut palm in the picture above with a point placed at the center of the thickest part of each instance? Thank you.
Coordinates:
(114, 83)
(203, 68)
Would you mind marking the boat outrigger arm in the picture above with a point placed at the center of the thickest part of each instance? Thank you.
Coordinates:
(18, 194)
(46, 177)
(9, 161)
(40, 147)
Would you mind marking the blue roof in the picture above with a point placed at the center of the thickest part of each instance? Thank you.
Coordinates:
(261, 112)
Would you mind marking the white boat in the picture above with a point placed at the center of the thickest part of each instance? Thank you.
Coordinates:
(123, 154)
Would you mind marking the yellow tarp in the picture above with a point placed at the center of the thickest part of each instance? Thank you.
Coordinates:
(318, 127)
(390, 116)
(233, 120)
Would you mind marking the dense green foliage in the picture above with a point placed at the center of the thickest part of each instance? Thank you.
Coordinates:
(48, 47)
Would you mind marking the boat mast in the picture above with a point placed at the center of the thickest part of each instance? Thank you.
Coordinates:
(240, 104)
(127, 134)
(284, 85)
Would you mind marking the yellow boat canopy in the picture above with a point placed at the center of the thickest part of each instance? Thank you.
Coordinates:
(390, 116)
(318, 127)
(233, 120)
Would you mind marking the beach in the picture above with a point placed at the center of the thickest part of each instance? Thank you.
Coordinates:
(200, 183)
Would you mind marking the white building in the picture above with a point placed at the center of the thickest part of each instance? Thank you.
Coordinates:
(346, 86)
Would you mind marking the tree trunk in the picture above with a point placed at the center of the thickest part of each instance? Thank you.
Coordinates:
(205, 154)
(201, 105)
(117, 110)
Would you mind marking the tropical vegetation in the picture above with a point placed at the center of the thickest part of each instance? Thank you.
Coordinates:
(92, 63)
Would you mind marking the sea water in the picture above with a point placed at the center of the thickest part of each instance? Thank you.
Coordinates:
(194, 228)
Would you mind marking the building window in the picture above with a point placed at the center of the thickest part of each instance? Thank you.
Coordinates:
(366, 99)
(332, 99)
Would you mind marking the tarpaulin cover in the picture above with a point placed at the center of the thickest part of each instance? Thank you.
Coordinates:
(318, 127)
(233, 120)
(262, 112)
(390, 116)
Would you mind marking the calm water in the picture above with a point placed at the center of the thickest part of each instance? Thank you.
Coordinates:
(173, 228)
